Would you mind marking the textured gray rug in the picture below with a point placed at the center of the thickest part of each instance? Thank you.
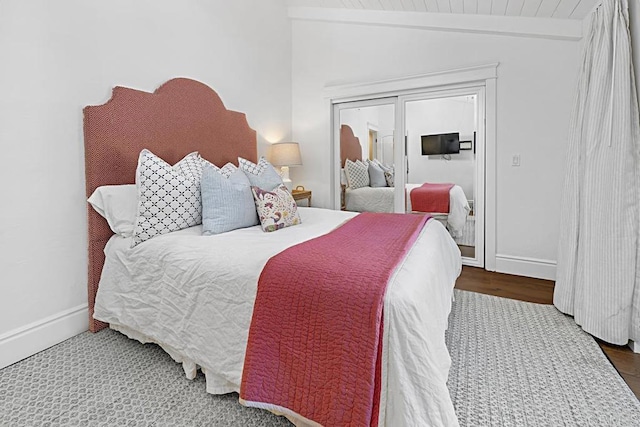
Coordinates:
(524, 364)
(514, 364)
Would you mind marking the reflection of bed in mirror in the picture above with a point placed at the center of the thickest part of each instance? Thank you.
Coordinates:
(380, 199)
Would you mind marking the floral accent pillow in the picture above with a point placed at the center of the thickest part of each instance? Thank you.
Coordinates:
(389, 177)
(276, 208)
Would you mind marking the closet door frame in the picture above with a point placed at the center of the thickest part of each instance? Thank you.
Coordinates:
(481, 75)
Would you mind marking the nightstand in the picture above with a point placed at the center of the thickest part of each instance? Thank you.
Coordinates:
(299, 193)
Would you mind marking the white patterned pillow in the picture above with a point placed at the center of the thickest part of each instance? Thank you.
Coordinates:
(276, 209)
(189, 166)
(168, 197)
(357, 174)
(262, 174)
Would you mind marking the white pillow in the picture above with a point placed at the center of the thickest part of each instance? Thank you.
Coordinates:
(168, 197)
(118, 204)
(357, 174)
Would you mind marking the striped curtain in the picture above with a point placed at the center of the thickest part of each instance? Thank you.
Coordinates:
(598, 273)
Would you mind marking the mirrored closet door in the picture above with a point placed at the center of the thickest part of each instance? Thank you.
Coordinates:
(443, 163)
(417, 153)
(366, 134)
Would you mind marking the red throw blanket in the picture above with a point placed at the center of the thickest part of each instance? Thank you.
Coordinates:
(432, 198)
(314, 347)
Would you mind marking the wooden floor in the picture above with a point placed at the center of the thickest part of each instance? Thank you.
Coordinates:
(541, 291)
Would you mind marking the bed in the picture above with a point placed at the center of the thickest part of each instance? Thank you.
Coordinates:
(194, 296)
(380, 199)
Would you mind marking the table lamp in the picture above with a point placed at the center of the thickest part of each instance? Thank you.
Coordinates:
(285, 154)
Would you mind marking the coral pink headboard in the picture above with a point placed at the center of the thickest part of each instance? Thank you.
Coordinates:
(181, 116)
(350, 147)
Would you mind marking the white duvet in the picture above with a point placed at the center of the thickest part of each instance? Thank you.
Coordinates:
(194, 295)
(380, 199)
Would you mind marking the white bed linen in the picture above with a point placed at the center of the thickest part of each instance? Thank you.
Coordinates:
(380, 199)
(369, 199)
(194, 295)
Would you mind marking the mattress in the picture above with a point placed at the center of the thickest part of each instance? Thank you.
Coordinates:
(380, 199)
(193, 295)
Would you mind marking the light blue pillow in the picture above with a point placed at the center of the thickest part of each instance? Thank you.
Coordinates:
(227, 202)
(376, 176)
(262, 174)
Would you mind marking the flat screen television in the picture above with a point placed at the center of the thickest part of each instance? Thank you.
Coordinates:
(442, 143)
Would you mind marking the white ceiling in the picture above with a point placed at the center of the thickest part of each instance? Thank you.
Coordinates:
(561, 9)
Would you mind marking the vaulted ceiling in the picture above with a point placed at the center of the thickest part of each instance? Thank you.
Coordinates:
(560, 9)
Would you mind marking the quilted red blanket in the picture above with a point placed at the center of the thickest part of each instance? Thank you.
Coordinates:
(433, 198)
(314, 345)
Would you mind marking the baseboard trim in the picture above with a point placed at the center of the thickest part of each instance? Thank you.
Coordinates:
(28, 340)
(529, 267)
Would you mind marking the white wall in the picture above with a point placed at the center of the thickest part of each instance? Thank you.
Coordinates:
(56, 58)
(436, 116)
(535, 87)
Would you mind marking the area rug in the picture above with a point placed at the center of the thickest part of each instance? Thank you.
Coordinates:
(521, 364)
(513, 364)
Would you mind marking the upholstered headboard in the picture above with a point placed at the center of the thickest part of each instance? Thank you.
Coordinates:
(350, 147)
(181, 116)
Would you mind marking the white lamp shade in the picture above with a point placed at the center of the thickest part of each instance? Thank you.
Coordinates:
(285, 154)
